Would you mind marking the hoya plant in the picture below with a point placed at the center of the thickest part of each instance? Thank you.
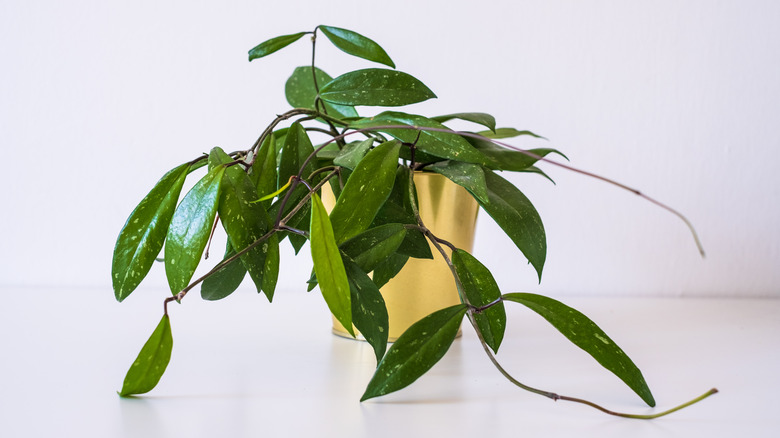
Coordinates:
(271, 192)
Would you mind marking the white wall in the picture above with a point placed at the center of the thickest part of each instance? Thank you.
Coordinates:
(678, 99)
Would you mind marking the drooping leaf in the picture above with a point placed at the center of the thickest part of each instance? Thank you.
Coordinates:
(225, 281)
(584, 333)
(502, 158)
(507, 133)
(142, 236)
(356, 44)
(416, 351)
(365, 191)
(263, 173)
(467, 175)
(352, 153)
(369, 313)
(329, 266)
(388, 269)
(297, 148)
(538, 171)
(515, 214)
(375, 87)
(481, 289)
(483, 119)
(373, 246)
(440, 144)
(149, 366)
(190, 229)
(270, 46)
(271, 268)
(301, 92)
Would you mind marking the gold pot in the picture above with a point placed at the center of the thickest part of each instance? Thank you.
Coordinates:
(424, 286)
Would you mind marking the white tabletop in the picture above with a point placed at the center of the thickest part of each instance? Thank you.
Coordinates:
(242, 368)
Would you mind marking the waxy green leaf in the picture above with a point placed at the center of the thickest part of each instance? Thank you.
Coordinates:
(356, 44)
(352, 153)
(502, 158)
(270, 46)
(149, 366)
(467, 175)
(297, 148)
(416, 351)
(507, 133)
(329, 266)
(263, 174)
(515, 214)
(388, 269)
(483, 119)
(375, 87)
(301, 92)
(481, 289)
(584, 333)
(372, 247)
(369, 313)
(142, 236)
(190, 229)
(225, 281)
(271, 268)
(365, 191)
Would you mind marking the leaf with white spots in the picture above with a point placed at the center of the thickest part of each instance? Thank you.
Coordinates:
(416, 351)
(584, 333)
(142, 236)
(369, 312)
(225, 281)
(149, 366)
(301, 92)
(356, 44)
(375, 87)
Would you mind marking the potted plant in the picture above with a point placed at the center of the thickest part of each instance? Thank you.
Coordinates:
(273, 190)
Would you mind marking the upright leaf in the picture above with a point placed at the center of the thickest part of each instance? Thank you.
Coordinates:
(584, 333)
(263, 174)
(190, 229)
(142, 236)
(483, 119)
(225, 281)
(369, 312)
(356, 44)
(375, 87)
(416, 351)
(365, 191)
(329, 266)
(515, 214)
(301, 92)
(481, 289)
(467, 175)
(297, 148)
(149, 366)
(270, 46)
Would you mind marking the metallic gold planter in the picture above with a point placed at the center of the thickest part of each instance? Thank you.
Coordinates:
(424, 286)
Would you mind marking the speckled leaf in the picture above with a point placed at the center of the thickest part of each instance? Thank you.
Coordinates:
(142, 236)
(270, 46)
(584, 333)
(190, 229)
(271, 268)
(467, 175)
(416, 351)
(372, 247)
(369, 312)
(502, 158)
(365, 191)
(352, 153)
(149, 366)
(263, 173)
(388, 269)
(297, 147)
(301, 92)
(483, 119)
(329, 266)
(225, 281)
(356, 44)
(481, 289)
(375, 87)
(515, 214)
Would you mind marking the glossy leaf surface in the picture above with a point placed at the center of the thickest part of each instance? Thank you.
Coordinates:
(190, 229)
(481, 289)
(483, 119)
(270, 46)
(271, 268)
(388, 269)
(369, 313)
(143, 235)
(416, 351)
(507, 133)
(515, 214)
(149, 366)
(264, 175)
(301, 92)
(225, 281)
(372, 247)
(502, 158)
(297, 148)
(584, 333)
(365, 191)
(329, 266)
(467, 175)
(375, 87)
(352, 153)
(356, 44)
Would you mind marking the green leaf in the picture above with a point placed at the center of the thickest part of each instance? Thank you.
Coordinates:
(507, 133)
(301, 92)
(502, 158)
(352, 153)
(270, 46)
(190, 229)
(329, 266)
(467, 175)
(372, 247)
(375, 87)
(245, 221)
(297, 148)
(483, 119)
(271, 268)
(365, 191)
(416, 351)
(149, 366)
(263, 174)
(584, 333)
(225, 281)
(388, 269)
(441, 144)
(356, 44)
(515, 214)
(369, 312)
(481, 289)
(142, 236)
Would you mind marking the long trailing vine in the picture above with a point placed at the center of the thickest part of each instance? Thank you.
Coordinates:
(271, 192)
